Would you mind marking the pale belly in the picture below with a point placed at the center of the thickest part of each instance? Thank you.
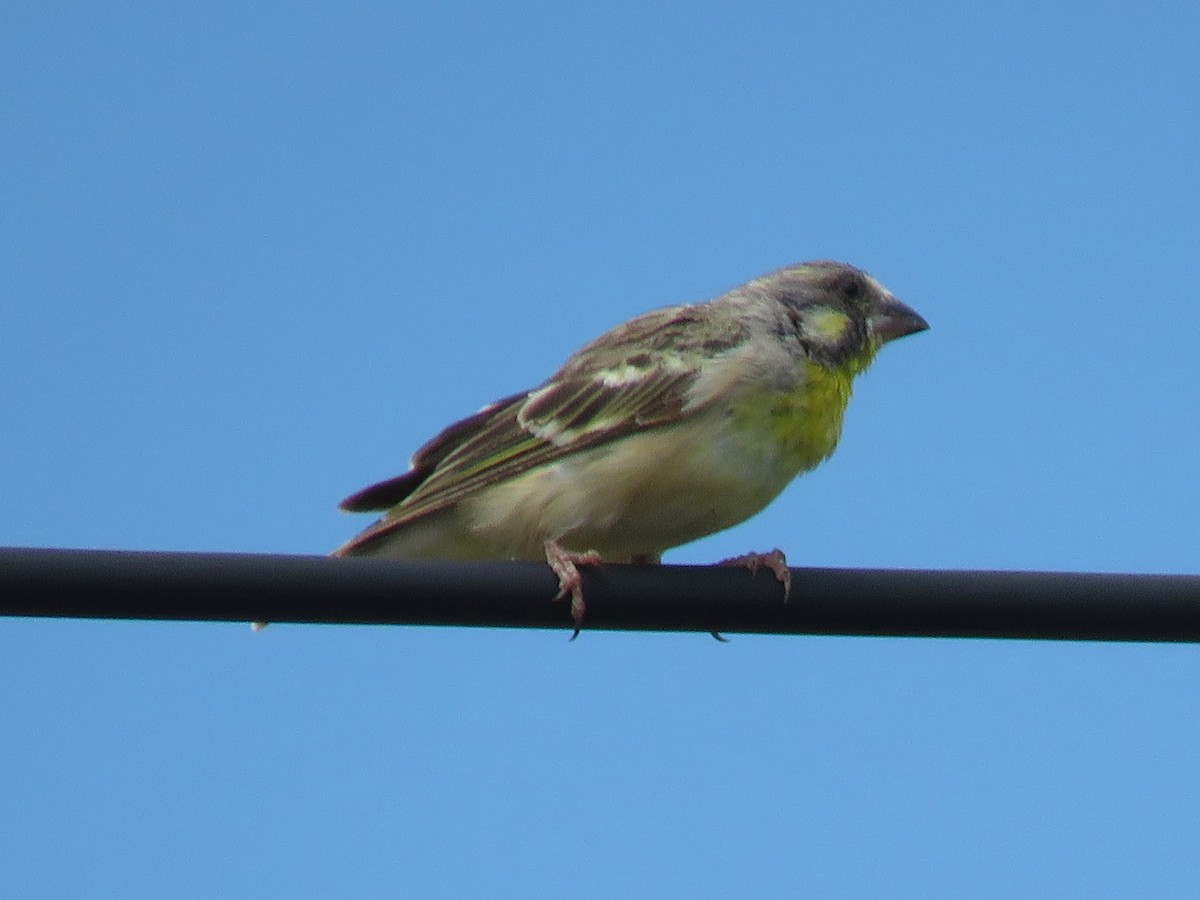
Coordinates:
(634, 498)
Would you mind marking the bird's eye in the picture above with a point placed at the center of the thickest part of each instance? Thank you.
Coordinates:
(852, 289)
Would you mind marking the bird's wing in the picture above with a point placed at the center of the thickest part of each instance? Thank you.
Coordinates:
(386, 494)
(635, 377)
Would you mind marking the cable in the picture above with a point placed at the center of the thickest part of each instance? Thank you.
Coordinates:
(119, 584)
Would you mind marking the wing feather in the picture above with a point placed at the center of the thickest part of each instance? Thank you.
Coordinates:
(386, 494)
(636, 377)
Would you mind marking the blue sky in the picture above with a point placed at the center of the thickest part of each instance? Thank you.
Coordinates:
(252, 255)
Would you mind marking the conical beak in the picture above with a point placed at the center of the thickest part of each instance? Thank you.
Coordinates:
(893, 319)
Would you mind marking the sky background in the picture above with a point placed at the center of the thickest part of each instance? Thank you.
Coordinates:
(252, 255)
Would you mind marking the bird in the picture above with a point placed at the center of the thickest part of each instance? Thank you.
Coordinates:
(676, 424)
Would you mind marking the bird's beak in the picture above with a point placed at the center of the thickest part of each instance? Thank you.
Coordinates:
(893, 319)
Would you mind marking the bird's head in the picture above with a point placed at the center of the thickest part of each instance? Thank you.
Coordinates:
(839, 314)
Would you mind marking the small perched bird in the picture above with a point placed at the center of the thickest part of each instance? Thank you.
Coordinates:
(674, 425)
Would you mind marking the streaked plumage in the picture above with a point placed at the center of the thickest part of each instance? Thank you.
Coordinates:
(676, 424)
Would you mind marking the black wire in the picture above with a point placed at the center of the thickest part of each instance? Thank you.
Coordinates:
(272, 588)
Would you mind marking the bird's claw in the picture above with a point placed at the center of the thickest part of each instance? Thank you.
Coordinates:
(565, 565)
(773, 560)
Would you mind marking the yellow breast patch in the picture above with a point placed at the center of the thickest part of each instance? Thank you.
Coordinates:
(804, 423)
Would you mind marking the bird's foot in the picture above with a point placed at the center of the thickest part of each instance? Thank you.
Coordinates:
(774, 560)
(570, 583)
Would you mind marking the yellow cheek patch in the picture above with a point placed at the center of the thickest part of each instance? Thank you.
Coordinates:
(828, 323)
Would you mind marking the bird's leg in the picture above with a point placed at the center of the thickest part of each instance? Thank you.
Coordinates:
(570, 583)
(774, 560)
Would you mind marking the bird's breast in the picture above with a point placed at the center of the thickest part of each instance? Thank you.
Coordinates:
(803, 423)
